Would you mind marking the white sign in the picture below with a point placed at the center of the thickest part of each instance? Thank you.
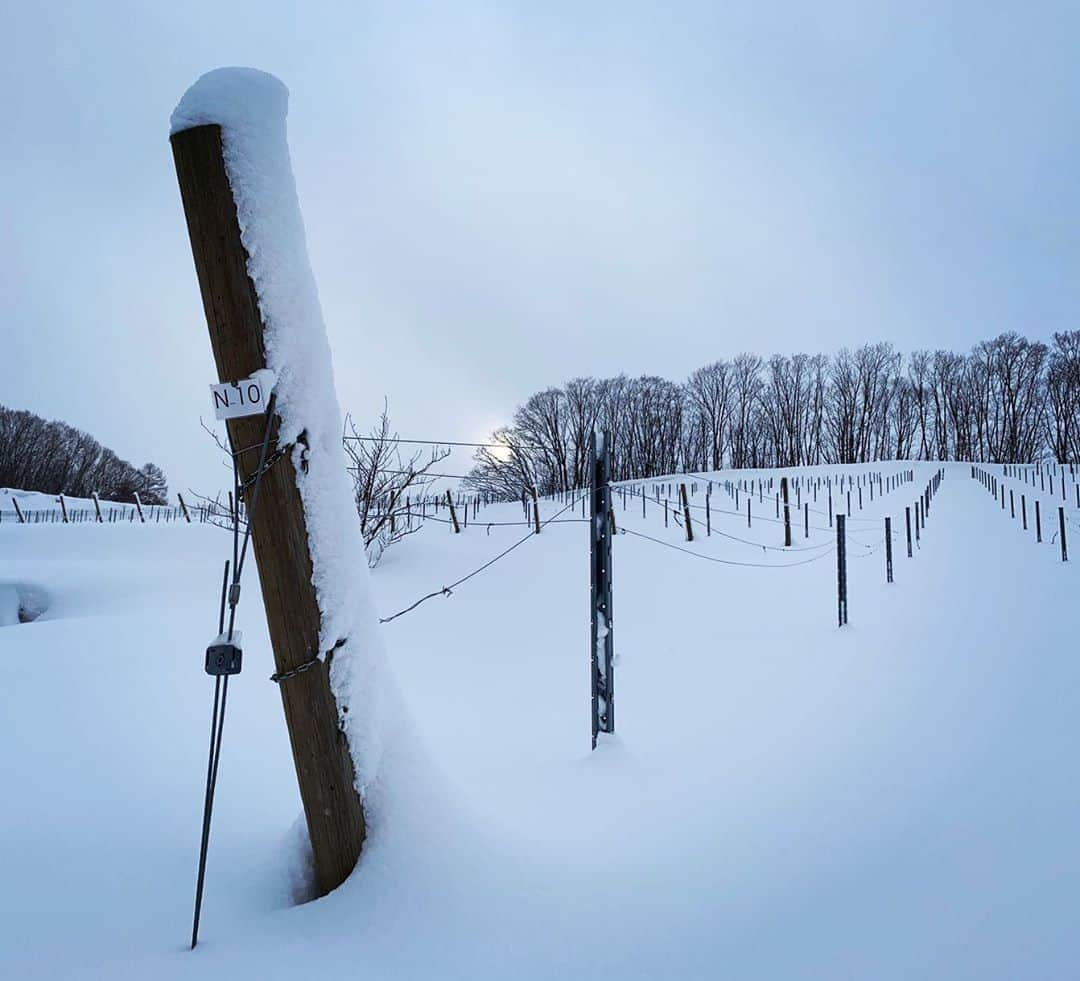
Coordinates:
(242, 398)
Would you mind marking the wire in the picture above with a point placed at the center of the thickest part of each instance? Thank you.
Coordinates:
(418, 473)
(448, 590)
(712, 558)
(441, 442)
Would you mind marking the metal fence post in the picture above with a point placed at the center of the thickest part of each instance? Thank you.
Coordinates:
(888, 550)
(601, 638)
(841, 572)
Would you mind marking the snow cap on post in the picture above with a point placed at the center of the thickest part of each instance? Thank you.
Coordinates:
(251, 107)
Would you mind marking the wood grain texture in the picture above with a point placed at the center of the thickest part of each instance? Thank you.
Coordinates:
(324, 767)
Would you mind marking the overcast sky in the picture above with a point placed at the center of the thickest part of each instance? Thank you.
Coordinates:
(500, 197)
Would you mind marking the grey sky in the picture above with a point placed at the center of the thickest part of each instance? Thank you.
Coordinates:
(499, 197)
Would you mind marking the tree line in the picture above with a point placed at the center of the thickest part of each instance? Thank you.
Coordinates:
(1009, 399)
(55, 458)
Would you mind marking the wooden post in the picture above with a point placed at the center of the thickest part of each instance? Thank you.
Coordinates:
(324, 767)
(686, 513)
(63, 507)
(1023, 510)
(1061, 526)
(183, 508)
(536, 511)
(1038, 523)
(18, 511)
(138, 507)
(907, 521)
(453, 513)
(97, 506)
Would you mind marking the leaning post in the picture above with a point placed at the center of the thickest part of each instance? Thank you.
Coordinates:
(453, 513)
(686, 513)
(279, 526)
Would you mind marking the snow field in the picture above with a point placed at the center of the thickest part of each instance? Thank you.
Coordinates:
(783, 798)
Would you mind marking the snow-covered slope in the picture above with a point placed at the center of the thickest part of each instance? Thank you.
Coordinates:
(784, 799)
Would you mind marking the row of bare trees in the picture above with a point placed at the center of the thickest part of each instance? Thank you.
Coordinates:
(1009, 399)
(55, 458)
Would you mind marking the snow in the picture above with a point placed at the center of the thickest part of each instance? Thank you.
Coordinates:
(251, 108)
(783, 799)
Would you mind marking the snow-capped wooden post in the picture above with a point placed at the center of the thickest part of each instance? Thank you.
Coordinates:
(243, 111)
(138, 507)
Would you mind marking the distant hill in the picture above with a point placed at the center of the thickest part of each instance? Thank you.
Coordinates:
(54, 458)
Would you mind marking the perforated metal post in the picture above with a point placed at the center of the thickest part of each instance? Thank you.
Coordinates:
(888, 550)
(601, 637)
(787, 511)
(841, 571)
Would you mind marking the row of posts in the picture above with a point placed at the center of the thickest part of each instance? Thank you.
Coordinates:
(922, 509)
(996, 489)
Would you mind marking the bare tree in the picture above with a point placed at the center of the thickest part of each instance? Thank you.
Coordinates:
(384, 483)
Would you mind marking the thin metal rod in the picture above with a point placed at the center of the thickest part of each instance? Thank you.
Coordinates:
(211, 769)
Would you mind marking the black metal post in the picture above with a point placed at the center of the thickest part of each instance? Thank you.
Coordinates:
(601, 638)
(888, 550)
(841, 572)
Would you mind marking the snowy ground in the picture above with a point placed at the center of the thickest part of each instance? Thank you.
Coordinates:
(784, 799)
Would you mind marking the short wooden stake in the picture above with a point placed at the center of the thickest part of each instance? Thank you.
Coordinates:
(536, 510)
(453, 513)
(686, 513)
